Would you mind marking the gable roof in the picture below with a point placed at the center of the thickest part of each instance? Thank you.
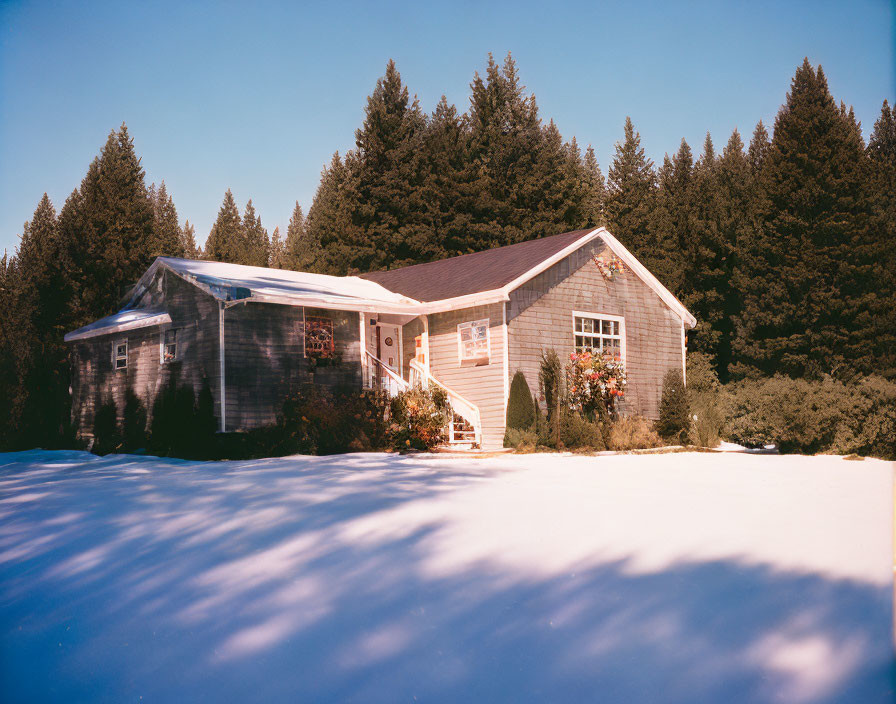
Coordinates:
(472, 273)
(490, 275)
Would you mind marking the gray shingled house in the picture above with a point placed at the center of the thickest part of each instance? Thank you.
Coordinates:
(467, 324)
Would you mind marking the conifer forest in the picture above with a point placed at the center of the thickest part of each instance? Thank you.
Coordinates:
(781, 242)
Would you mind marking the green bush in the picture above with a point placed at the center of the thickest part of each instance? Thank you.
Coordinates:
(811, 417)
(632, 433)
(520, 409)
(578, 433)
(106, 437)
(674, 421)
(707, 401)
(317, 421)
(550, 378)
(521, 439)
(172, 428)
(419, 417)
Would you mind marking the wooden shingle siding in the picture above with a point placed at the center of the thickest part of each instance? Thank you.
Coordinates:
(265, 359)
(193, 313)
(482, 385)
(540, 317)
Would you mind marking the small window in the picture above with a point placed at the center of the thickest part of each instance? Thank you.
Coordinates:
(120, 354)
(599, 334)
(472, 341)
(169, 346)
(319, 340)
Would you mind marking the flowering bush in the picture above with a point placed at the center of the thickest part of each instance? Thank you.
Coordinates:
(419, 418)
(595, 382)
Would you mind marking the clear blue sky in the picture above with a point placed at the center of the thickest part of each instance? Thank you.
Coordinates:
(257, 96)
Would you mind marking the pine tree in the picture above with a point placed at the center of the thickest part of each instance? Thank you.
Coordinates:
(276, 258)
(329, 225)
(595, 191)
(882, 185)
(630, 193)
(448, 188)
(107, 230)
(391, 165)
(759, 148)
(226, 241)
(807, 272)
(187, 236)
(301, 251)
(166, 241)
(256, 244)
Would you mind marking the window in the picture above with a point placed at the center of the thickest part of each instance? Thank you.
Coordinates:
(472, 341)
(319, 340)
(120, 354)
(169, 346)
(603, 334)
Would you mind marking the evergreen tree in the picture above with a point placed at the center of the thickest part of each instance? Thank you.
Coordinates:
(227, 242)
(329, 224)
(188, 245)
(256, 243)
(806, 300)
(882, 185)
(166, 240)
(759, 148)
(595, 185)
(630, 193)
(391, 163)
(301, 252)
(448, 188)
(276, 260)
(108, 230)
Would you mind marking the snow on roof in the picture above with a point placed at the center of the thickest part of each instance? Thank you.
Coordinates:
(127, 319)
(233, 282)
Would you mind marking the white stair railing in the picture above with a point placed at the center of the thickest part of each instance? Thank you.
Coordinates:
(382, 378)
(460, 406)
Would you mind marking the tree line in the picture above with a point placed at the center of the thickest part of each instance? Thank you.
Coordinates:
(784, 248)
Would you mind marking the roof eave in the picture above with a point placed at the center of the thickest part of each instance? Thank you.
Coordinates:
(81, 334)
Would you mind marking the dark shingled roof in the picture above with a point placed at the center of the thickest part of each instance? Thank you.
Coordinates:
(472, 273)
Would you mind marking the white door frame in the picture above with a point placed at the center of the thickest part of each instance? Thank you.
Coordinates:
(400, 345)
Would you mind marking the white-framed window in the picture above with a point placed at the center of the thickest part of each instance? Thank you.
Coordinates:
(168, 351)
(472, 341)
(599, 333)
(120, 354)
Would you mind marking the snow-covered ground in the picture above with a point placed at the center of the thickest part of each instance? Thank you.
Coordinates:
(682, 577)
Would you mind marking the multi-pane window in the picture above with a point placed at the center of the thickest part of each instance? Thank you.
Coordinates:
(599, 334)
(319, 339)
(472, 341)
(169, 346)
(120, 354)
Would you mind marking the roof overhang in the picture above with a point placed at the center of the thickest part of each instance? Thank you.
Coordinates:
(122, 321)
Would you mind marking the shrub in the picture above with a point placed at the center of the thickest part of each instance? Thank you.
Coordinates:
(172, 428)
(521, 439)
(674, 421)
(206, 424)
(577, 432)
(105, 428)
(317, 421)
(418, 419)
(632, 433)
(707, 402)
(594, 383)
(550, 378)
(520, 409)
(816, 416)
(134, 427)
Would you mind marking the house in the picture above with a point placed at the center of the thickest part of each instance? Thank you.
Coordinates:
(466, 324)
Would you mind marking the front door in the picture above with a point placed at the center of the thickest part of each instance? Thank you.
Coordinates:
(388, 346)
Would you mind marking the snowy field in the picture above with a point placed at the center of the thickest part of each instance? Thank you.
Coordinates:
(374, 578)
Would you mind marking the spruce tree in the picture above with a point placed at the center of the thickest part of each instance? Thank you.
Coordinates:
(166, 240)
(256, 243)
(392, 166)
(187, 236)
(329, 225)
(301, 251)
(276, 259)
(806, 277)
(759, 148)
(630, 193)
(226, 242)
(594, 206)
